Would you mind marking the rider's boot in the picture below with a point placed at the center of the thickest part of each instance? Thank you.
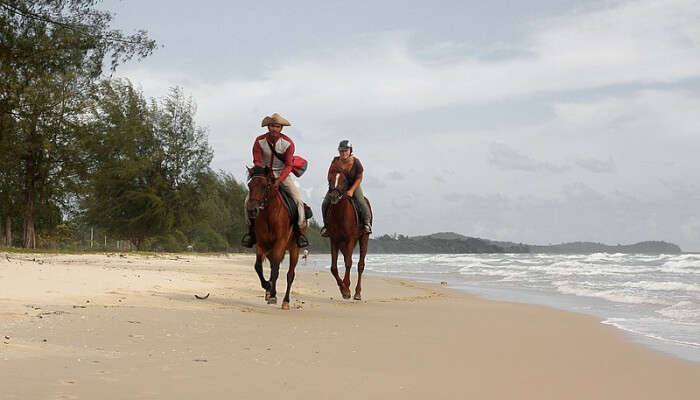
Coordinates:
(324, 232)
(301, 239)
(248, 239)
(367, 228)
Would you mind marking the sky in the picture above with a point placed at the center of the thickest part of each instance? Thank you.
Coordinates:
(537, 122)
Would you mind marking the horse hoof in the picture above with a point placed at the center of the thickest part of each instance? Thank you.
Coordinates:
(267, 296)
(285, 305)
(272, 300)
(346, 296)
(357, 297)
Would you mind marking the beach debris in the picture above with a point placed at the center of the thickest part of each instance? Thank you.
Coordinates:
(201, 297)
(7, 337)
(443, 283)
(200, 360)
(79, 306)
(134, 322)
(44, 340)
(40, 315)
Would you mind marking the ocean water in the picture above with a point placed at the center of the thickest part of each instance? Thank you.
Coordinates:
(655, 299)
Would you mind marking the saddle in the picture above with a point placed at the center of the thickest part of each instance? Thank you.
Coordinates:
(291, 207)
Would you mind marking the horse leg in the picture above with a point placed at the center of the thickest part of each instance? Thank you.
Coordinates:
(334, 266)
(274, 273)
(293, 258)
(347, 255)
(259, 269)
(361, 266)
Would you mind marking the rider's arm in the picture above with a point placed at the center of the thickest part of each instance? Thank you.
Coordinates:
(257, 154)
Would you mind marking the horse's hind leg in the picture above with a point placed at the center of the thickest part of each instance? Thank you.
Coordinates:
(293, 258)
(361, 266)
(334, 269)
(259, 269)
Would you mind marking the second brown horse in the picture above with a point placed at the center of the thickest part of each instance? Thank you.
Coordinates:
(345, 232)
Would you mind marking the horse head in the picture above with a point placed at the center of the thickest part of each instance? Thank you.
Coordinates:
(337, 186)
(259, 185)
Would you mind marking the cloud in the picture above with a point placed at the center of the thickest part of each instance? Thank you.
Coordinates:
(370, 181)
(505, 158)
(597, 166)
(403, 202)
(453, 197)
(607, 46)
(396, 176)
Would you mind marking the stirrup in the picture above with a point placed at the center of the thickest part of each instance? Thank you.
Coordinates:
(301, 241)
(367, 228)
(248, 240)
(324, 232)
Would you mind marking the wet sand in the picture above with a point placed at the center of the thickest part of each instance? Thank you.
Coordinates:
(129, 327)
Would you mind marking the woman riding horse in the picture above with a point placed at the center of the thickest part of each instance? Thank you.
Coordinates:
(341, 220)
(351, 168)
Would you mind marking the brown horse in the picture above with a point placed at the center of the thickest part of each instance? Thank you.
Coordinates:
(274, 232)
(345, 232)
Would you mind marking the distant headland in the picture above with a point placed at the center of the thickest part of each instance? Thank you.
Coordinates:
(454, 243)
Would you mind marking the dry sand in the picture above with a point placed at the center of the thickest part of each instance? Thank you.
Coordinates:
(113, 327)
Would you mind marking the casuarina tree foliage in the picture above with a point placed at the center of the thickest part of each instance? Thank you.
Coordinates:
(85, 158)
(51, 56)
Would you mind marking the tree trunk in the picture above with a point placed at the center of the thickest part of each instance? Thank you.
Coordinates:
(8, 231)
(29, 233)
(137, 242)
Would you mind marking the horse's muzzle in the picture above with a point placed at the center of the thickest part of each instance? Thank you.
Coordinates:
(336, 196)
(253, 212)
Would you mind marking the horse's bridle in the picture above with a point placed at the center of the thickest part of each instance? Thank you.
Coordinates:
(341, 192)
(266, 193)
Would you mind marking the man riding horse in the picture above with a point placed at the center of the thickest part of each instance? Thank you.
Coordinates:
(351, 167)
(276, 151)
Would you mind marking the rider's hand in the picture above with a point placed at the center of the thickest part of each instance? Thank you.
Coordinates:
(349, 193)
(276, 184)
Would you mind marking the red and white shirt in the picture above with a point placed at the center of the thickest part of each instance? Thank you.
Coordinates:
(263, 157)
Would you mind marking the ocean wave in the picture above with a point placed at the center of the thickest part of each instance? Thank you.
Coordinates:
(664, 286)
(615, 295)
(655, 329)
(685, 311)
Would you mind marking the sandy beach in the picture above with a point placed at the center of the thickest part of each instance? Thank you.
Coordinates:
(129, 327)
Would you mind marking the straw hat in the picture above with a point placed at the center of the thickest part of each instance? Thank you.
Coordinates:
(275, 119)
